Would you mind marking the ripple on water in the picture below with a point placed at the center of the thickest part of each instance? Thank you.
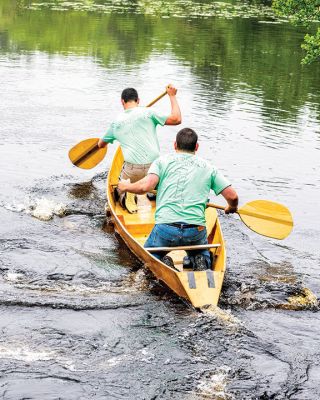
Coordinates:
(97, 289)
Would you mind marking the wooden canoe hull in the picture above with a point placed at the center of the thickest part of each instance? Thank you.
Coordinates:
(199, 287)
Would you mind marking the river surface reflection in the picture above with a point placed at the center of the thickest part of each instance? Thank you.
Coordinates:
(80, 317)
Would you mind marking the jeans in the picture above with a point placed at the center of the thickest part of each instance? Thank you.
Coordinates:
(164, 235)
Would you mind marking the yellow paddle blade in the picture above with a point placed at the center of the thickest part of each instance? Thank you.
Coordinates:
(267, 218)
(130, 203)
(87, 154)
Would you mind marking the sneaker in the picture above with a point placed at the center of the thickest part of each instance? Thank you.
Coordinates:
(116, 194)
(151, 196)
(188, 262)
(168, 261)
(200, 263)
(130, 203)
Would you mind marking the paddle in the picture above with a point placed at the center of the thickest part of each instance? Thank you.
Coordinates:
(265, 217)
(87, 154)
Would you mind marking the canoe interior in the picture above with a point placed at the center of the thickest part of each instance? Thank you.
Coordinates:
(199, 287)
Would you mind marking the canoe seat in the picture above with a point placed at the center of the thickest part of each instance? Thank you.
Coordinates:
(196, 247)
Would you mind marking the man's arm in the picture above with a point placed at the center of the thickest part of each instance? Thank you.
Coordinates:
(232, 199)
(145, 185)
(175, 116)
(109, 137)
(101, 143)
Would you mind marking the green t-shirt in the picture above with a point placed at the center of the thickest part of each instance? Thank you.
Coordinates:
(135, 129)
(184, 184)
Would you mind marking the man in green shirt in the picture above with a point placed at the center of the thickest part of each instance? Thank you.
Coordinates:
(135, 130)
(183, 183)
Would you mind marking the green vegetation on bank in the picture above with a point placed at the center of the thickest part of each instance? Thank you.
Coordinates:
(303, 12)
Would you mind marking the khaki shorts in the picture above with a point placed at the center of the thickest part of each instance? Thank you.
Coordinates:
(134, 172)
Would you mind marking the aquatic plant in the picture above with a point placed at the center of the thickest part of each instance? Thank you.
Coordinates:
(163, 8)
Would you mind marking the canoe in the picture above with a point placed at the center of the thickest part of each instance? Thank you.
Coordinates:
(200, 288)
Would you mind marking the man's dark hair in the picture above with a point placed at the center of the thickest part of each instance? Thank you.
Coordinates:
(129, 94)
(186, 139)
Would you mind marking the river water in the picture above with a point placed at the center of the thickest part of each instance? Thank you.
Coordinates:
(80, 316)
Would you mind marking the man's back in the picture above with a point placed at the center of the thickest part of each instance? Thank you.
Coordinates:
(184, 184)
(183, 181)
(135, 130)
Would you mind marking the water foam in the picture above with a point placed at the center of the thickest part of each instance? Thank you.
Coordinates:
(23, 354)
(13, 276)
(224, 316)
(40, 208)
(214, 386)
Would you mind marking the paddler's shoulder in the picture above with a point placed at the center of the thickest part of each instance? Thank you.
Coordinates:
(142, 112)
(165, 159)
(203, 163)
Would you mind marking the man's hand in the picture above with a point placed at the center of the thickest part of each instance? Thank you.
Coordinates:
(101, 143)
(123, 185)
(230, 210)
(232, 199)
(171, 90)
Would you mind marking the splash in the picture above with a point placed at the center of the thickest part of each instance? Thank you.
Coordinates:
(13, 276)
(45, 209)
(40, 208)
(303, 300)
(23, 354)
(137, 281)
(223, 316)
(214, 385)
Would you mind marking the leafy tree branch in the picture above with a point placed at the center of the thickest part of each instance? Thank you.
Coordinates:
(306, 12)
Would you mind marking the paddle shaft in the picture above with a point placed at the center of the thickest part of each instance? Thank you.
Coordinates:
(254, 214)
(242, 212)
(284, 218)
(157, 99)
(215, 206)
